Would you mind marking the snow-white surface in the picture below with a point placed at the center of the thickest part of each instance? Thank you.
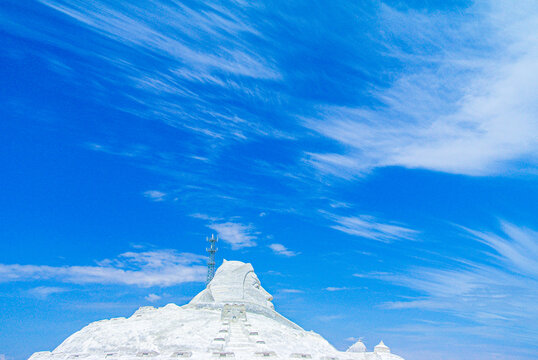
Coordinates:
(235, 281)
(358, 347)
(232, 317)
(381, 348)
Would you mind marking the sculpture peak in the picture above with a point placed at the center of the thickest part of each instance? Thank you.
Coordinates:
(357, 347)
(234, 282)
(381, 348)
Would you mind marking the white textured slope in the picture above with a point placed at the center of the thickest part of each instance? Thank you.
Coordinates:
(232, 317)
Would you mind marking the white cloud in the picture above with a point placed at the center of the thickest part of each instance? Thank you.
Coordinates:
(518, 248)
(339, 204)
(155, 195)
(282, 250)
(237, 235)
(152, 297)
(369, 227)
(137, 246)
(145, 269)
(291, 291)
(43, 292)
(204, 217)
(464, 103)
(500, 288)
(275, 273)
(132, 151)
(169, 35)
(125, 25)
(371, 274)
(332, 288)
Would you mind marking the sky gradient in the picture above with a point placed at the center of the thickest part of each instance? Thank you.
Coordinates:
(375, 161)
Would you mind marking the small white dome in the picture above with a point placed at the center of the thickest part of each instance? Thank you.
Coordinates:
(381, 348)
(358, 347)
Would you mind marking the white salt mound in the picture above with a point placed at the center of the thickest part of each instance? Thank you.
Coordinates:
(232, 318)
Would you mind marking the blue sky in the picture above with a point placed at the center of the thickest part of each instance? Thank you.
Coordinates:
(375, 161)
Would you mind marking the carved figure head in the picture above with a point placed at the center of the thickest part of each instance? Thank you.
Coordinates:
(235, 281)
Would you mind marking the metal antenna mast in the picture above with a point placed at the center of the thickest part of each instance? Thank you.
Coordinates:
(211, 262)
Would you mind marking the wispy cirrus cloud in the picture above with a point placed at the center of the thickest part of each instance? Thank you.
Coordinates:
(155, 195)
(371, 228)
(291, 291)
(43, 292)
(200, 54)
(282, 250)
(464, 104)
(517, 247)
(172, 30)
(236, 234)
(335, 288)
(144, 269)
(500, 290)
(152, 297)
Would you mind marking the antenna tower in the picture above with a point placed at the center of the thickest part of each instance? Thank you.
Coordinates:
(211, 262)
